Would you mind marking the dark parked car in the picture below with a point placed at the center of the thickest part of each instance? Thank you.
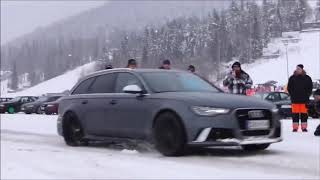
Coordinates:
(35, 107)
(280, 99)
(4, 99)
(14, 105)
(50, 107)
(283, 102)
(312, 108)
(174, 110)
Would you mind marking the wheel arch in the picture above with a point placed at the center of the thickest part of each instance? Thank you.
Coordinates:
(179, 118)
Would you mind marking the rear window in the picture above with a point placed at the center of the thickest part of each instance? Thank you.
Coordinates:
(83, 87)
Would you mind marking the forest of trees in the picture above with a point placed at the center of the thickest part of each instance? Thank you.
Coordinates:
(238, 32)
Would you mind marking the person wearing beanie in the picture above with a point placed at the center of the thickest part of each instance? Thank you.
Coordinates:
(166, 64)
(237, 80)
(109, 66)
(316, 95)
(300, 89)
(132, 64)
(192, 69)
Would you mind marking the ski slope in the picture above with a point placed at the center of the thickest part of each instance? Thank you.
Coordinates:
(56, 85)
(306, 52)
(31, 149)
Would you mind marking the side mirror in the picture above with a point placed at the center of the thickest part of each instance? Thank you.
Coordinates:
(132, 89)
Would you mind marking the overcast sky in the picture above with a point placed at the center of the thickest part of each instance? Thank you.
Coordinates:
(21, 17)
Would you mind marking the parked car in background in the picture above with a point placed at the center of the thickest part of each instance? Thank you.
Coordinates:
(14, 105)
(280, 99)
(173, 109)
(50, 107)
(5, 99)
(35, 107)
(312, 108)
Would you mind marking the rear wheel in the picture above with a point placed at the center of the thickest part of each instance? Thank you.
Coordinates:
(255, 147)
(73, 132)
(169, 135)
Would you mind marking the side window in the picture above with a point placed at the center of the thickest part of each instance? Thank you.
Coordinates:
(284, 96)
(103, 84)
(24, 99)
(83, 87)
(125, 79)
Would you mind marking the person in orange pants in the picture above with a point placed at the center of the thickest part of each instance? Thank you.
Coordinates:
(300, 89)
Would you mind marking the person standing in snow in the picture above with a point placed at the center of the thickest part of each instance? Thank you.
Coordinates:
(132, 64)
(192, 69)
(300, 89)
(316, 95)
(237, 80)
(166, 64)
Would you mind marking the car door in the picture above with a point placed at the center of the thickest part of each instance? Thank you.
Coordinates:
(98, 115)
(130, 110)
(80, 95)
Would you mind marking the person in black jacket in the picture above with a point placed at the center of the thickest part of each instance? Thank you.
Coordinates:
(317, 107)
(300, 89)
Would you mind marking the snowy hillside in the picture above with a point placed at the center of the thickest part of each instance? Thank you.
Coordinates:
(306, 52)
(56, 85)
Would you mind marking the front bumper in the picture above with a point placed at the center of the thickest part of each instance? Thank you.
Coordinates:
(203, 140)
(229, 130)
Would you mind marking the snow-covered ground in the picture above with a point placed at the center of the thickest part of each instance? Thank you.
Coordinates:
(306, 52)
(31, 149)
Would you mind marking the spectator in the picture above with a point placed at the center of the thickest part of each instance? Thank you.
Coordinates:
(300, 89)
(166, 64)
(132, 64)
(237, 80)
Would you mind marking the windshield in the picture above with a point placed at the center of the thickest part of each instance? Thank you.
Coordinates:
(176, 82)
(15, 99)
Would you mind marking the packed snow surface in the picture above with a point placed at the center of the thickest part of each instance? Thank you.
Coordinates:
(31, 149)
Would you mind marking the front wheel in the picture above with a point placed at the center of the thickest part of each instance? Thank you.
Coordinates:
(169, 135)
(73, 132)
(255, 147)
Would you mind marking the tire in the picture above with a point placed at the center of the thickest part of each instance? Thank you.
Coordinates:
(38, 111)
(73, 132)
(255, 147)
(28, 112)
(11, 110)
(169, 135)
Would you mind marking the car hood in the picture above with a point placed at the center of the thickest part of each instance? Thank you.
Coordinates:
(221, 100)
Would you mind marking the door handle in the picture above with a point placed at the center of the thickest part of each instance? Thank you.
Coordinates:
(113, 102)
(84, 102)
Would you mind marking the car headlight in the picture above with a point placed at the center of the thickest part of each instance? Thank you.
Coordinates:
(1, 105)
(50, 105)
(209, 111)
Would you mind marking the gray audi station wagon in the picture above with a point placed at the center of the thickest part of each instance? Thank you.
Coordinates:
(174, 110)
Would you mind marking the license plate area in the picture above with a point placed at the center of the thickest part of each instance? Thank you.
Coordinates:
(258, 124)
(42, 108)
